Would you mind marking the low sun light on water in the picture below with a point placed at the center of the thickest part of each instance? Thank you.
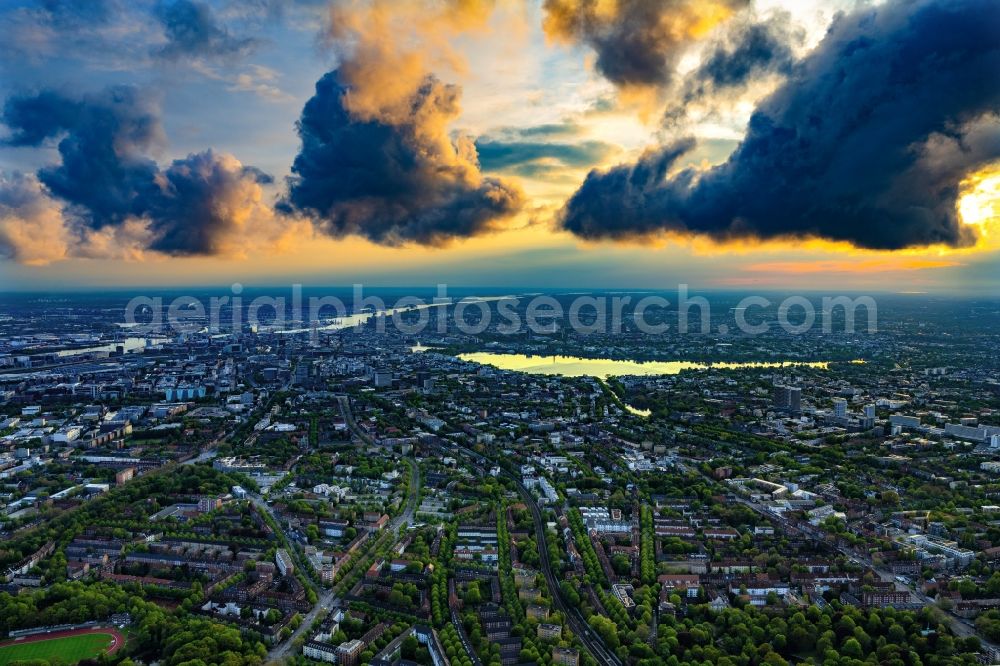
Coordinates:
(572, 366)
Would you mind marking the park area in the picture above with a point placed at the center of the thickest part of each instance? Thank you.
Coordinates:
(67, 647)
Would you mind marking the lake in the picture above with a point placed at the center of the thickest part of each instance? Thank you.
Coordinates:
(575, 366)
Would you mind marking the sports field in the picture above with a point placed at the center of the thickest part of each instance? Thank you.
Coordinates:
(69, 647)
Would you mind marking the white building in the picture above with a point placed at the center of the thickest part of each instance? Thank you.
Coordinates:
(840, 408)
(320, 651)
(549, 493)
(67, 435)
(904, 421)
(284, 562)
(603, 521)
(959, 556)
(973, 433)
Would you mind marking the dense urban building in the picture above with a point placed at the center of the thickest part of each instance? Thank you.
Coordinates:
(324, 500)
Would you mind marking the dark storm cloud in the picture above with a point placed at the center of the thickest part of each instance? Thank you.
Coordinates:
(637, 42)
(394, 178)
(192, 30)
(198, 202)
(622, 201)
(747, 50)
(121, 35)
(35, 118)
(104, 173)
(106, 178)
(866, 142)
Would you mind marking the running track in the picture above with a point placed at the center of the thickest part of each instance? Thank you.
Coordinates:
(118, 639)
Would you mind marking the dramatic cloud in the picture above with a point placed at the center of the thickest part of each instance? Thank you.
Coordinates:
(192, 30)
(31, 225)
(377, 159)
(202, 202)
(104, 172)
(386, 50)
(867, 142)
(637, 42)
(748, 50)
(108, 182)
(392, 182)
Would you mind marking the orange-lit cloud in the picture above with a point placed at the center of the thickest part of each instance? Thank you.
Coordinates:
(35, 231)
(388, 48)
(637, 43)
(378, 158)
(32, 230)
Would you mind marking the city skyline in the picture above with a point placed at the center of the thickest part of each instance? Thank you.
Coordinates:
(545, 144)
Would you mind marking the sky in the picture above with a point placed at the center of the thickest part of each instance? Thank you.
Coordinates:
(726, 144)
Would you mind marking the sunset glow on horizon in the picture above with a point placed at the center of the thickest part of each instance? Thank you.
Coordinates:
(618, 143)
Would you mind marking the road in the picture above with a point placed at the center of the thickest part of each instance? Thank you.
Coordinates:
(285, 648)
(345, 409)
(591, 641)
(210, 451)
(326, 597)
(411, 504)
(573, 615)
(464, 638)
(204, 456)
(406, 518)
